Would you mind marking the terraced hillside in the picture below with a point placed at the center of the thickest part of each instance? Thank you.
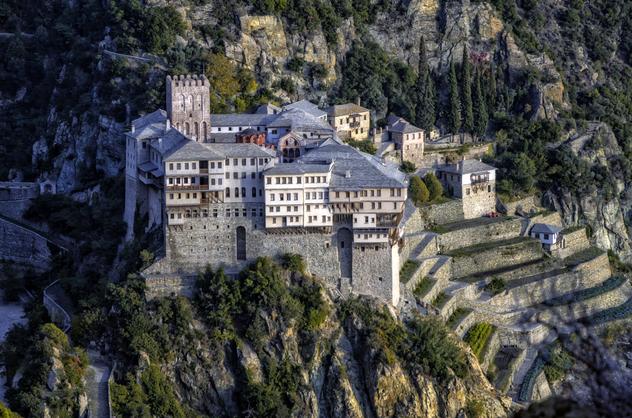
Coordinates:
(506, 296)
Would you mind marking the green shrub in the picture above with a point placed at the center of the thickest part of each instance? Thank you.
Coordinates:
(440, 300)
(418, 191)
(407, 270)
(456, 316)
(295, 64)
(423, 287)
(478, 337)
(496, 286)
(434, 186)
(408, 167)
(557, 364)
(294, 262)
(475, 408)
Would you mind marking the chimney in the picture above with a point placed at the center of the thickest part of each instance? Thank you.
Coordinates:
(348, 174)
(133, 128)
(168, 125)
(358, 101)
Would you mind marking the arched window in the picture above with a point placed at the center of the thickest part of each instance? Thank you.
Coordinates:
(236, 191)
(243, 192)
(227, 192)
(182, 103)
(204, 133)
(196, 127)
(199, 101)
(254, 192)
(190, 102)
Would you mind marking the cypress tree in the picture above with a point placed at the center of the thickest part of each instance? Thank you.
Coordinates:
(455, 104)
(466, 92)
(481, 116)
(435, 188)
(425, 94)
(418, 191)
(491, 92)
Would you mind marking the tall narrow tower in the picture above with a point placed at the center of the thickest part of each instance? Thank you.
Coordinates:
(188, 105)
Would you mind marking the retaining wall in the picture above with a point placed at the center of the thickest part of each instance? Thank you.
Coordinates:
(23, 246)
(529, 204)
(443, 213)
(575, 241)
(466, 237)
(585, 275)
(495, 258)
(211, 241)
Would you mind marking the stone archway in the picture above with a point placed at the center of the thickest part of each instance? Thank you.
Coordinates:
(345, 251)
(241, 243)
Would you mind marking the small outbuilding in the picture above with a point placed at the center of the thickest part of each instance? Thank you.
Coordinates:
(549, 235)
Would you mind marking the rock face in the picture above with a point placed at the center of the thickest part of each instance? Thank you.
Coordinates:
(342, 374)
(605, 216)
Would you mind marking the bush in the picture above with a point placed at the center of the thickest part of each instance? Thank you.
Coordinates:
(407, 270)
(423, 287)
(456, 316)
(440, 300)
(418, 191)
(496, 286)
(434, 186)
(294, 262)
(408, 167)
(478, 337)
(295, 64)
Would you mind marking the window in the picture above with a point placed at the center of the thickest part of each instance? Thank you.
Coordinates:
(295, 196)
(227, 162)
(186, 166)
(227, 192)
(268, 180)
(170, 180)
(243, 192)
(235, 175)
(243, 175)
(170, 166)
(170, 195)
(252, 175)
(254, 192)
(236, 191)
(253, 161)
(212, 164)
(227, 175)
(298, 180)
(219, 164)
(178, 166)
(272, 197)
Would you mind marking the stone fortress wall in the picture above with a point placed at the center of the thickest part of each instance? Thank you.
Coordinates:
(213, 241)
(494, 231)
(23, 246)
(15, 198)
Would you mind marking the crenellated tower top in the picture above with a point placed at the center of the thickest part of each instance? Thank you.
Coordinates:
(188, 103)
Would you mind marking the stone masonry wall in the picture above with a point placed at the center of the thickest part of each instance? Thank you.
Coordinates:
(575, 241)
(443, 213)
(22, 246)
(585, 275)
(527, 205)
(466, 237)
(212, 241)
(495, 258)
(479, 204)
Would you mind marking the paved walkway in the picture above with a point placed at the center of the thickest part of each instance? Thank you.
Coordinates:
(97, 386)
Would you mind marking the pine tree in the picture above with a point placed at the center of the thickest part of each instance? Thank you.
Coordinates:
(481, 116)
(425, 94)
(466, 92)
(455, 104)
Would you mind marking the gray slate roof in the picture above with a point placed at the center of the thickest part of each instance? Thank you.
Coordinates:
(241, 119)
(192, 151)
(299, 120)
(403, 126)
(345, 109)
(466, 167)
(545, 229)
(223, 137)
(149, 126)
(355, 170)
(298, 168)
(307, 107)
(268, 109)
(189, 150)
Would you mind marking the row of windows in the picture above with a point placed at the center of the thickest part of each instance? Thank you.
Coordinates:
(367, 236)
(204, 213)
(178, 166)
(299, 180)
(243, 175)
(467, 190)
(415, 146)
(366, 219)
(253, 192)
(235, 161)
(272, 209)
(314, 218)
(253, 161)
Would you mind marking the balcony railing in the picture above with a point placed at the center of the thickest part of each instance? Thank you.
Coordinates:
(187, 187)
(355, 124)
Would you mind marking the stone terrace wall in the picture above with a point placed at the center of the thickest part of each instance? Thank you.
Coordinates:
(443, 213)
(527, 205)
(168, 285)
(575, 241)
(23, 246)
(466, 237)
(495, 258)
(211, 241)
(585, 275)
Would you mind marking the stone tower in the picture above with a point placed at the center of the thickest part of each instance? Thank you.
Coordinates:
(188, 105)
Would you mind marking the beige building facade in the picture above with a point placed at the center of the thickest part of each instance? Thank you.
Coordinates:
(351, 121)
